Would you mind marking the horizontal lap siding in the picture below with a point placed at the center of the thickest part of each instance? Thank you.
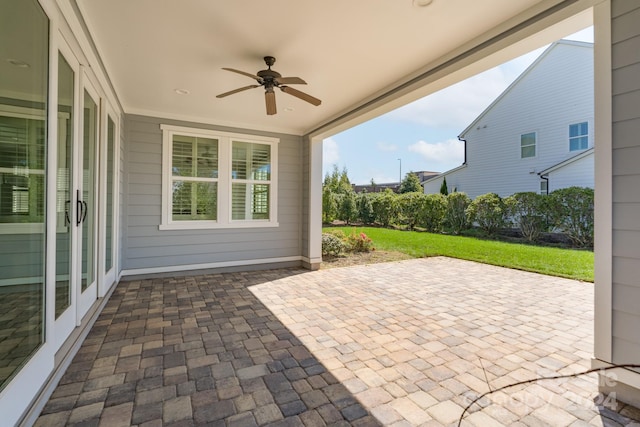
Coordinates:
(554, 93)
(146, 246)
(626, 180)
(578, 173)
(21, 256)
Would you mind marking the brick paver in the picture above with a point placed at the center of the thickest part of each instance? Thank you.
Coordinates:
(397, 344)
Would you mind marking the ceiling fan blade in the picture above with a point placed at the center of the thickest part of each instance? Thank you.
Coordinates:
(270, 99)
(290, 81)
(231, 92)
(305, 97)
(253, 76)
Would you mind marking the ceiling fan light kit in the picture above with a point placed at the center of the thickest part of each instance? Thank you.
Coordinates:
(270, 79)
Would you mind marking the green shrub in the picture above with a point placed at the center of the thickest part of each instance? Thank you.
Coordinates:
(347, 209)
(332, 245)
(329, 205)
(385, 208)
(489, 212)
(410, 205)
(365, 208)
(571, 211)
(528, 211)
(359, 242)
(431, 216)
(443, 187)
(337, 232)
(456, 212)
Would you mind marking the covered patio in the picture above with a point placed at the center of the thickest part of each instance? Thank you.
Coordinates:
(407, 343)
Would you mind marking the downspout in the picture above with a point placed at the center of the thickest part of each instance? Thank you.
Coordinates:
(465, 148)
(546, 178)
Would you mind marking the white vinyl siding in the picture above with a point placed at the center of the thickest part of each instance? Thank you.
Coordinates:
(579, 136)
(217, 179)
(556, 91)
(578, 173)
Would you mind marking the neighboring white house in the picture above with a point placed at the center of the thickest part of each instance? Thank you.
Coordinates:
(537, 135)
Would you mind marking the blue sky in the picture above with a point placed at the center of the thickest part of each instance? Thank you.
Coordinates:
(424, 133)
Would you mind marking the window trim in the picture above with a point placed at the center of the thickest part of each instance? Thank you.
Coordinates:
(224, 180)
(535, 145)
(588, 135)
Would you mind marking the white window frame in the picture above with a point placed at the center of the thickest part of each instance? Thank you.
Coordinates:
(535, 145)
(224, 180)
(544, 187)
(569, 137)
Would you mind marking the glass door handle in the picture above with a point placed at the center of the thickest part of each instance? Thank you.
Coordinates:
(85, 209)
(67, 205)
(78, 208)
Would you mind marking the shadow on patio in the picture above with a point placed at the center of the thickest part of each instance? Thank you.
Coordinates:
(405, 343)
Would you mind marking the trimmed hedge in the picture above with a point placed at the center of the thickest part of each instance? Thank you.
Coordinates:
(568, 211)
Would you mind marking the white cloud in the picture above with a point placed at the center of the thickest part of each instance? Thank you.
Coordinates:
(458, 105)
(330, 152)
(383, 146)
(440, 156)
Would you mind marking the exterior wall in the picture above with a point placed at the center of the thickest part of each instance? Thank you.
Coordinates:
(146, 248)
(553, 93)
(122, 197)
(578, 173)
(626, 181)
(456, 178)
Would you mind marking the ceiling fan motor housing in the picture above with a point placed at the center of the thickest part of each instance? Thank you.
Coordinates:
(270, 79)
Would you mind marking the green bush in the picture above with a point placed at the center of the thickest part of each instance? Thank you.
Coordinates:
(329, 205)
(410, 205)
(456, 212)
(347, 209)
(571, 212)
(528, 211)
(332, 245)
(359, 242)
(365, 208)
(385, 208)
(489, 212)
(443, 187)
(431, 216)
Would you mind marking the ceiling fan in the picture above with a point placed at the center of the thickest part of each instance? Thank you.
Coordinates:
(271, 79)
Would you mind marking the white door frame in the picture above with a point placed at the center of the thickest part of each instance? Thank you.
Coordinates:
(87, 298)
(65, 324)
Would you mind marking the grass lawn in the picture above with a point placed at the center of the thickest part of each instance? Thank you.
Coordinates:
(573, 264)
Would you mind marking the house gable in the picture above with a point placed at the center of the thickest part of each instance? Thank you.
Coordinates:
(553, 93)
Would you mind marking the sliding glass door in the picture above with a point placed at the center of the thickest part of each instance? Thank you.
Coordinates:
(24, 42)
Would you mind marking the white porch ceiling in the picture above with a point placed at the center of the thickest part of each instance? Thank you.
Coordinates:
(346, 50)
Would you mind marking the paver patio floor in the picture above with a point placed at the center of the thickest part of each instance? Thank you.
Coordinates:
(398, 344)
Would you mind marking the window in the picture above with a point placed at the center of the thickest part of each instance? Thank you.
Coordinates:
(528, 145)
(251, 179)
(217, 179)
(544, 187)
(22, 142)
(579, 136)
